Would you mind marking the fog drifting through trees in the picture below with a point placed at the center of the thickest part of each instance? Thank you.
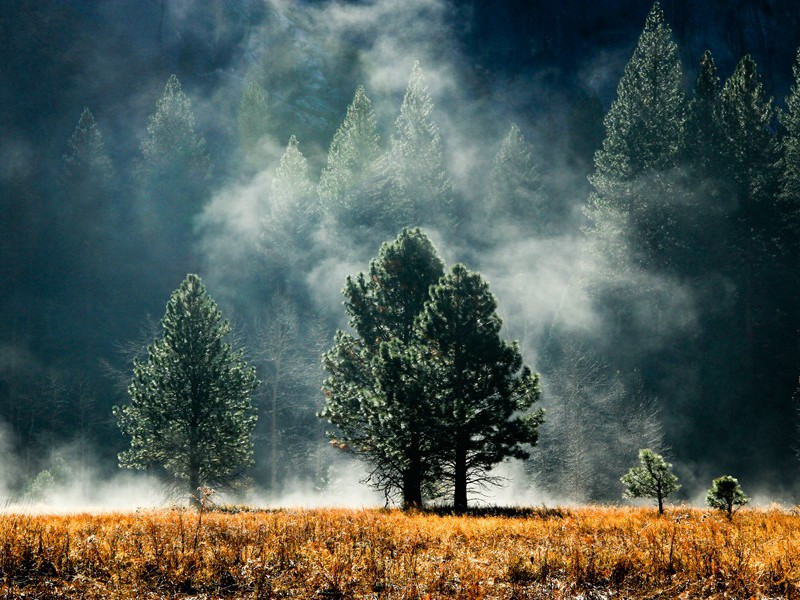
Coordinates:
(653, 285)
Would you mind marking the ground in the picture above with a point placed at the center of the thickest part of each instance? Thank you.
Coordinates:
(591, 552)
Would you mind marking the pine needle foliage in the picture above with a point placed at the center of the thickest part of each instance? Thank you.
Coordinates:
(190, 412)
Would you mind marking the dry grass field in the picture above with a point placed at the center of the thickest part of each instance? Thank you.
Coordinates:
(591, 552)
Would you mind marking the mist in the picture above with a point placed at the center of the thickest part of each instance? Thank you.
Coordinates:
(86, 271)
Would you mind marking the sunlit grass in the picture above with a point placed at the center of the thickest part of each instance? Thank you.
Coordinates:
(614, 552)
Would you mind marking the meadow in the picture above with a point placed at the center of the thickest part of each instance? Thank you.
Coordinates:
(591, 552)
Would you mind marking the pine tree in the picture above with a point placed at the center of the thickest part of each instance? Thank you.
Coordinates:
(378, 407)
(421, 189)
(190, 412)
(174, 173)
(702, 134)
(516, 186)
(726, 495)
(172, 146)
(253, 120)
(353, 152)
(644, 134)
(790, 163)
(291, 187)
(293, 210)
(652, 478)
(749, 155)
(483, 391)
(789, 201)
(87, 173)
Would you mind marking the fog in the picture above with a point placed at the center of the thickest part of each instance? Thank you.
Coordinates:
(84, 281)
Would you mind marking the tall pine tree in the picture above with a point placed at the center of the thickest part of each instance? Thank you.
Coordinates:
(253, 120)
(628, 210)
(353, 152)
(421, 191)
(190, 412)
(516, 185)
(484, 393)
(373, 398)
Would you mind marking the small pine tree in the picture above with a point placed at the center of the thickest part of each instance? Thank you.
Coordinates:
(726, 494)
(483, 391)
(651, 478)
(354, 149)
(253, 119)
(190, 411)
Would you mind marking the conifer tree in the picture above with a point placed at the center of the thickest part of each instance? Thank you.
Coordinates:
(749, 156)
(516, 186)
(87, 173)
(378, 408)
(353, 151)
(651, 478)
(702, 134)
(174, 173)
(726, 495)
(293, 210)
(253, 119)
(421, 189)
(172, 148)
(484, 393)
(644, 135)
(190, 412)
(789, 196)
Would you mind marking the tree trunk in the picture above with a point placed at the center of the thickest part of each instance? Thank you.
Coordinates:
(660, 505)
(194, 484)
(412, 488)
(460, 491)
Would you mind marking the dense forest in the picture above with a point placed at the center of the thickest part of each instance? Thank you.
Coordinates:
(627, 179)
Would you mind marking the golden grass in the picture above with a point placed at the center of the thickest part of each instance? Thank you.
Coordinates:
(591, 552)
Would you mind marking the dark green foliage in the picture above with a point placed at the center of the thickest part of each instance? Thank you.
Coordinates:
(629, 211)
(376, 405)
(651, 478)
(483, 391)
(190, 411)
(726, 495)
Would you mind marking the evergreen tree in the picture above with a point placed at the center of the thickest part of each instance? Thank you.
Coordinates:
(377, 406)
(702, 135)
(789, 203)
(644, 127)
(516, 186)
(190, 410)
(749, 156)
(483, 391)
(253, 119)
(175, 166)
(173, 174)
(726, 495)
(790, 163)
(353, 152)
(420, 188)
(293, 211)
(651, 478)
(87, 174)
